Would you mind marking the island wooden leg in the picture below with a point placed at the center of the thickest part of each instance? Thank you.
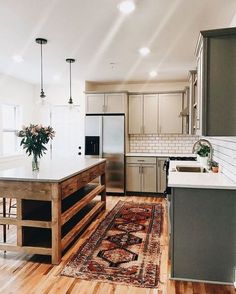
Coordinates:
(103, 194)
(56, 224)
(19, 218)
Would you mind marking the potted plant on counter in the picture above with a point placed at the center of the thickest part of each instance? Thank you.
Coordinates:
(215, 167)
(34, 139)
(203, 152)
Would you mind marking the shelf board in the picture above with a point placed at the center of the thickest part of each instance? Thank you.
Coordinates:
(75, 231)
(73, 210)
(26, 249)
(25, 223)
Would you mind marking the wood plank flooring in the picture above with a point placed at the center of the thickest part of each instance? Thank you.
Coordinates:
(24, 274)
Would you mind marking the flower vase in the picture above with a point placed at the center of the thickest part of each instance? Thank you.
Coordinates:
(203, 161)
(35, 163)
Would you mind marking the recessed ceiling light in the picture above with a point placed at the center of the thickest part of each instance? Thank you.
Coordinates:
(126, 6)
(153, 73)
(144, 51)
(17, 58)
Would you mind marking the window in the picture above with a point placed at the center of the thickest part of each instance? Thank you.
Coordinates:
(10, 121)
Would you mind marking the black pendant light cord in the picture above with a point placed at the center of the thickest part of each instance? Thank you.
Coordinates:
(41, 42)
(41, 68)
(70, 60)
(70, 84)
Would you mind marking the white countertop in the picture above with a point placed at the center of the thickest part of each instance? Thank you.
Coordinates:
(162, 154)
(208, 180)
(50, 170)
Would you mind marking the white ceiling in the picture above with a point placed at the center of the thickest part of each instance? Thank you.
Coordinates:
(95, 33)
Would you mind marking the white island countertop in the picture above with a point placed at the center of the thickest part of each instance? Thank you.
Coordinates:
(56, 170)
(161, 154)
(207, 180)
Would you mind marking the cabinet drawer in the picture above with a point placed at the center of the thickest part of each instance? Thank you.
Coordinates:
(102, 168)
(94, 173)
(141, 159)
(68, 187)
(83, 179)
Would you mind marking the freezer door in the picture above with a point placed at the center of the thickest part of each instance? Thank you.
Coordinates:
(113, 151)
(93, 128)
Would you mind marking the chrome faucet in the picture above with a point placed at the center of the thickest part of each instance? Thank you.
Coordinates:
(206, 142)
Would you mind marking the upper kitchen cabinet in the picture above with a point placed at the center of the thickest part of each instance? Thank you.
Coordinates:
(150, 114)
(135, 114)
(186, 110)
(155, 113)
(106, 102)
(170, 107)
(193, 96)
(216, 86)
(95, 103)
(143, 114)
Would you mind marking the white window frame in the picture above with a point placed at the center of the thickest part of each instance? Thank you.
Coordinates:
(17, 123)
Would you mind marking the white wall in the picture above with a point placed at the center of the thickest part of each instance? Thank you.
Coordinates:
(225, 154)
(14, 91)
(58, 95)
(17, 92)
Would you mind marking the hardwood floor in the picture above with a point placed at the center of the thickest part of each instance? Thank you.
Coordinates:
(23, 274)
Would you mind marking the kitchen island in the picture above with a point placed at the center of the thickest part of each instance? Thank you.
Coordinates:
(53, 205)
(202, 225)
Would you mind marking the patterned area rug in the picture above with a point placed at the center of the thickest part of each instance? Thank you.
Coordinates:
(124, 249)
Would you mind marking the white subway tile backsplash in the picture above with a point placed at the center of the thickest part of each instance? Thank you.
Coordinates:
(162, 144)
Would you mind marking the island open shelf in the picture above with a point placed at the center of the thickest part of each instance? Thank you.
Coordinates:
(51, 213)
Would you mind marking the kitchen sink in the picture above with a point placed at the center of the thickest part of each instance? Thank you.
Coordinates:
(190, 169)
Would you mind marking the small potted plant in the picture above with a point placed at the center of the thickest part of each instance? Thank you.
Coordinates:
(215, 167)
(203, 152)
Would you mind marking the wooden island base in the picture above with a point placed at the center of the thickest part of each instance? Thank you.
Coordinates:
(50, 215)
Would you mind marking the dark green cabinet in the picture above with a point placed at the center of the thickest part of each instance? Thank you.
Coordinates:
(216, 55)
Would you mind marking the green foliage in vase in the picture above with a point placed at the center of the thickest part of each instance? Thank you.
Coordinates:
(203, 150)
(34, 139)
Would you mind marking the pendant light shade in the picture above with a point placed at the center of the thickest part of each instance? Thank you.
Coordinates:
(70, 60)
(42, 42)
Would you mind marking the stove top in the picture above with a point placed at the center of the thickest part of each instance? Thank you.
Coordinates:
(183, 158)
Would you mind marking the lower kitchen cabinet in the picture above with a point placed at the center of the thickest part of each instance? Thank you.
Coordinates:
(148, 175)
(145, 174)
(161, 175)
(141, 174)
(133, 178)
(203, 234)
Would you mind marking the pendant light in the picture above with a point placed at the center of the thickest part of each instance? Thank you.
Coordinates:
(42, 42)
(70, 61)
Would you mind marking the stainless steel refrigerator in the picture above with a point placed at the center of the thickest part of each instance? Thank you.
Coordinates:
(105, 137)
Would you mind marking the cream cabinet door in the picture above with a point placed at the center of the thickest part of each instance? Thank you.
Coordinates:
(135, 114)
(150, 114)
(95, 103)
(170, 106)
(115, 103)
(199, 92)
(133, 178)
(149, 183)
(161, 176)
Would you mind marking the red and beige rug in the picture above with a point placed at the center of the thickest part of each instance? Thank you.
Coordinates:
(124, 249)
